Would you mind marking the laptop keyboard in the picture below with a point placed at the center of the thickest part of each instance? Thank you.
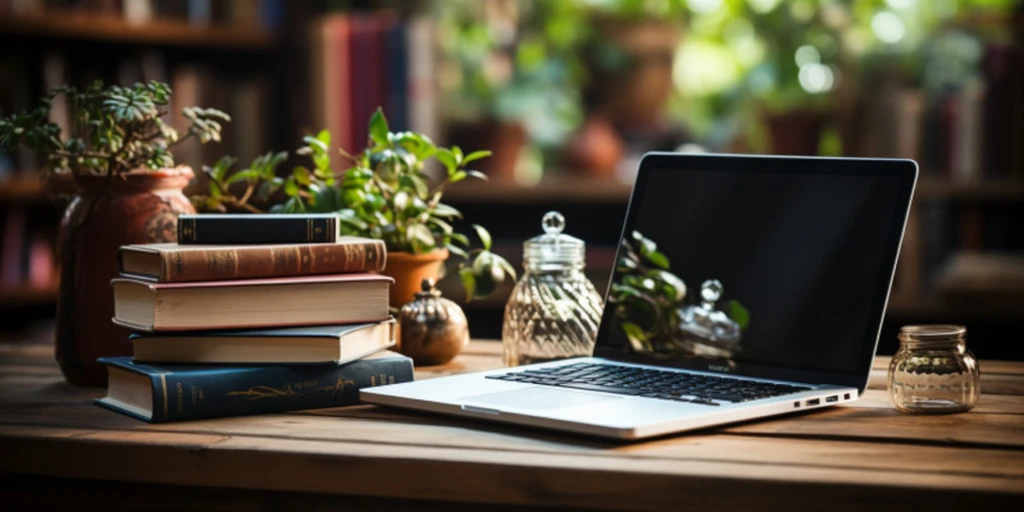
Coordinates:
(627, 380)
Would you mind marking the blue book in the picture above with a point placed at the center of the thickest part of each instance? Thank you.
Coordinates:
(398, 77)
(159, 394)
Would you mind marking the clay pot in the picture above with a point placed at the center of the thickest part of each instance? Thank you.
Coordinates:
(505, 141)
(139, 207)
(795, 132)
(634, 96)
(409, 270)
(595, 149)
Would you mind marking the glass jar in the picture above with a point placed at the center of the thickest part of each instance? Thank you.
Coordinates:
(933, 371)
(554, 310)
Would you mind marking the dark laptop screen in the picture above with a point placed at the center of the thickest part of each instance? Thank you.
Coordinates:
(720, 268)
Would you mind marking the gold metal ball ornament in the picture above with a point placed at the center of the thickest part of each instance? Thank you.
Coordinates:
(433, 329)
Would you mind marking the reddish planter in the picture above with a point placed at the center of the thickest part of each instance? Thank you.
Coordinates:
(504, 140)
(140, 207)
(409, 270)
(795, 133)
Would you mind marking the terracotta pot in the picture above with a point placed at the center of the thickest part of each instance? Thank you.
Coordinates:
(141, 207)
(796, 132)
(409, 270)
(504, 140)
(594, 149)
(634, 93)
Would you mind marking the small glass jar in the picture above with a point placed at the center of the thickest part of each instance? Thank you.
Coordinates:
(554, 310)
(933, 371)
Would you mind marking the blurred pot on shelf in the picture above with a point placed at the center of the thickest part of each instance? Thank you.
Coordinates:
(795, 132)
(595, 149)
(505, 140)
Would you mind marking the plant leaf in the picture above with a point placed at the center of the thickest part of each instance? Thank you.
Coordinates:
(739, 314)
(447, 158)
(468, 282)
(302, 175)
(379, 128)
(484, 235)
(658, 259)
(637, 337)
(476, 155)
(478, 175)
(443, 210)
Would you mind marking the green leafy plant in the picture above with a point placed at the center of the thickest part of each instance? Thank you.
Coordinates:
(647, 297)
(383, 193)
(113, 129)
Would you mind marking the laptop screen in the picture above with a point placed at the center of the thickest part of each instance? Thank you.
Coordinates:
(759, 265)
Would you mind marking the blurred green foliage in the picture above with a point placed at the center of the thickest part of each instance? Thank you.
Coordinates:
(526, 60)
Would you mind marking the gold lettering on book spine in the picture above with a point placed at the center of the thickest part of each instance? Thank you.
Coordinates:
(292, 390)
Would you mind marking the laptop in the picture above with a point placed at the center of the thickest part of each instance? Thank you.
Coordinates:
(745, 287)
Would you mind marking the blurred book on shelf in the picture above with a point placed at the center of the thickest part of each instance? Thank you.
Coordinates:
(361, 61)
(266, 14)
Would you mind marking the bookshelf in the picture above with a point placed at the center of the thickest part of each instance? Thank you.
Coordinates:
(28, 295)
(234, 57)
(158, 32)
(21, 189)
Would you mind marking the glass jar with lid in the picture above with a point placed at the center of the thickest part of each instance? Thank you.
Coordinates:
(554, 310)
(933, 371)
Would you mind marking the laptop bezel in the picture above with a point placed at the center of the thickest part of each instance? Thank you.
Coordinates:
(906, 170)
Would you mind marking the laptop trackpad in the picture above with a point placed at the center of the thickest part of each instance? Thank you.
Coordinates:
(535, 398)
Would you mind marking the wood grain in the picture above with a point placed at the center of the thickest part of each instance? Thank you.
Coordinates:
(846, 457)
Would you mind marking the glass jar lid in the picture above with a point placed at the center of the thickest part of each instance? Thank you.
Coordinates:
(932, 335)
(554, 247)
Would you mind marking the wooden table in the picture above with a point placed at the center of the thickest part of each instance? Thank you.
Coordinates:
(58, 450)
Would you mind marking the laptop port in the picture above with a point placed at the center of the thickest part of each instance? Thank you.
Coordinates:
(846, 396)
(815, 401)
(833, 398)
(796, 405)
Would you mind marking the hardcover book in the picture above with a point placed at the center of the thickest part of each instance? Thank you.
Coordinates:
(337, 344)
(250, 228)
(172, 263)
(159, 394)
(251, 303)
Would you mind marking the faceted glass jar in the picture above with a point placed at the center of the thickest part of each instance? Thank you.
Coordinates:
(554, 310)
(933, 371)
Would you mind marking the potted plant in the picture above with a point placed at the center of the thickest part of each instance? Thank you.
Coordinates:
(117, 152)
(510, 77)
(383, 193)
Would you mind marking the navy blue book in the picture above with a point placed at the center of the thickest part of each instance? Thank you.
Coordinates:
(159, 394)
(251, 228)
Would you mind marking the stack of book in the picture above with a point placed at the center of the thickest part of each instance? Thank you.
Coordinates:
(251, 314)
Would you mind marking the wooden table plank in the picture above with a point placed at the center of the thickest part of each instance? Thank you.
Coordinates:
(427, 472)
(848, 457)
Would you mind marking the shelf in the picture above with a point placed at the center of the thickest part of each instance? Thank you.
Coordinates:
(21, 189)
(583, 189)
(167, 32)
(986, 190)
(29, 188)
(28, 295)
(578, 189)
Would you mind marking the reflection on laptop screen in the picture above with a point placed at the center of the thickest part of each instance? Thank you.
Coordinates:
(774, 268)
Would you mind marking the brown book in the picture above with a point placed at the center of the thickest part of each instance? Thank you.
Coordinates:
(338, 344)
(251, 303)
(173, 263)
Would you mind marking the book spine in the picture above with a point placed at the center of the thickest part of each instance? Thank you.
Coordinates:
(255, 229)
(193, 395)
(258, 262)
